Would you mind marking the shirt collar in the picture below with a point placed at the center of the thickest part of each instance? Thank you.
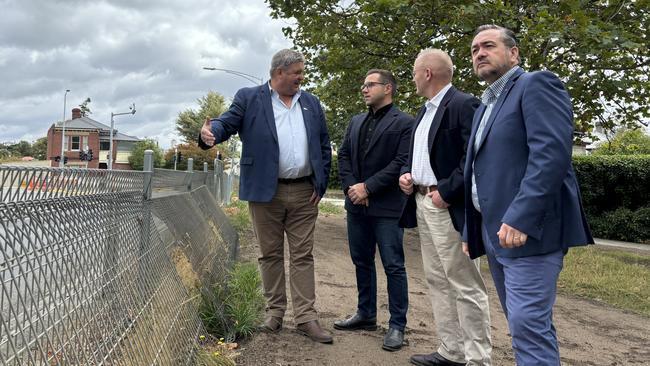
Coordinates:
(381, 111)
(435, 101)
(274, 94)
(492, 92)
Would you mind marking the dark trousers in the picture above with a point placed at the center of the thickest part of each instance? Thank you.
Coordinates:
(365, 233)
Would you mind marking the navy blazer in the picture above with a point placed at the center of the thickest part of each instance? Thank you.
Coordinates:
(379, 167)
(251, 115)
(447, 142)
(524, 172)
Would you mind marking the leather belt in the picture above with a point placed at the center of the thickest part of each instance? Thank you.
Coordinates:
(423, 190)
(306, 178)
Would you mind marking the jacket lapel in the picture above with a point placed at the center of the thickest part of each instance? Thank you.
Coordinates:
(306, 116)
(265, 96)
(418, 119)
(389, 118)
(497, 107)
(437, 118)
(354, 135)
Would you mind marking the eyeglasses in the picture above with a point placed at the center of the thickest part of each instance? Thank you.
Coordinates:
(370, 84)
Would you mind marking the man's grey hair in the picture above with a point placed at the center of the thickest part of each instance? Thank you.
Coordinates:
(446, 65)
(284, 58)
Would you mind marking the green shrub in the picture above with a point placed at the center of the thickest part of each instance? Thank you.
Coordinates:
(616, 195)
(334, 180)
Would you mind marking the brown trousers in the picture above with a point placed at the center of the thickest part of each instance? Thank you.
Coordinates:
(289, 212)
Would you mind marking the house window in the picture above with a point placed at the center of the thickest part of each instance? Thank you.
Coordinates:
(76, 141)
(104, 145)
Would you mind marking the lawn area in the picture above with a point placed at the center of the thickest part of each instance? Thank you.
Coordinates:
(615, 277)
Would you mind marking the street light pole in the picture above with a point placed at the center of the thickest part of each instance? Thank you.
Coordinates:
(110, 138)
(253, 79)
(62, 161)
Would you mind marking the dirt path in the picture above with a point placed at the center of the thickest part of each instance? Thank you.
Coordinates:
(590, 333)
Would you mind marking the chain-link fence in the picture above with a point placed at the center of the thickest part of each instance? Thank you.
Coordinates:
(101, 267)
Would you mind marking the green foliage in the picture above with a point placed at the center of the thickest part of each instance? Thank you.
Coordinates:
(626, 142)
(237, 310)
(189, 121)
(334, 181)
(136, 160)
(85, 110)
(598, 48)
(238, 215)
(615, 194)
(22, 148)
(39, 148)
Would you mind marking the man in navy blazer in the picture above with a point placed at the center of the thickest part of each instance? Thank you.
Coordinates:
(285, 163)
(374, 149)
(522, 201)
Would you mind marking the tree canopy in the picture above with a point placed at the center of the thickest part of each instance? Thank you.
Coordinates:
(625, 142)
(598, 48)
(189, 121)
(136, 159)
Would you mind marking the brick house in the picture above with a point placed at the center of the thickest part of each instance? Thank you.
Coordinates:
(82, 132)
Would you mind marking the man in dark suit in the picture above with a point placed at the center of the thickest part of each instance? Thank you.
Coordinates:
(374, 149)
(522, 199)
(285, 163)
(433, 178)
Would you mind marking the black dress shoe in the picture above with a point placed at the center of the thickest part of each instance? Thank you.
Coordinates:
(356, 322)
(432, 359)
(393, 340)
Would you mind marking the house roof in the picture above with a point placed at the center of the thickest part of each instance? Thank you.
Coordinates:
(86, 123)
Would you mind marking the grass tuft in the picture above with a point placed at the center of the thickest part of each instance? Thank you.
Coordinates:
(329, 208)
(234, 311)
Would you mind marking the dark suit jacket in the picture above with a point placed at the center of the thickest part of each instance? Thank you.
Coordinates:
(447, 141)
(379, 168)
(523, 170)
(251, 115)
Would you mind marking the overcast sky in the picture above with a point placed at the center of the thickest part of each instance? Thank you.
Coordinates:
(119, 52)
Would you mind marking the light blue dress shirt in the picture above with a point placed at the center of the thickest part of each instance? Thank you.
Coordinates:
(292, 137)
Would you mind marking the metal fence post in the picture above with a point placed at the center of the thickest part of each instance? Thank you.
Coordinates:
(190, 172)
(148, 173)
(216, 189)
(145, 234)
(205, 170)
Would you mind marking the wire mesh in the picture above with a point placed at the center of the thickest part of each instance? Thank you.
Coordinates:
(90, 270)
(24, 183)
(170, 180)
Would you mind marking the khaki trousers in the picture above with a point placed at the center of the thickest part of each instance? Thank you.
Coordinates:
(458, 294)
(289, 212)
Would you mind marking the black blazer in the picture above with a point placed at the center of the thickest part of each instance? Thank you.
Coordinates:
(448, 138)
(380, 167)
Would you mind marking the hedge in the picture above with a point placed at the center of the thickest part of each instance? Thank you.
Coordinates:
(616, 195)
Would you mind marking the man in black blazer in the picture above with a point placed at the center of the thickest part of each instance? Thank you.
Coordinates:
(433, 177)
(374, 149)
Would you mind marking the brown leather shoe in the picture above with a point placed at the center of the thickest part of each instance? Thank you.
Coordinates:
(272, 324)
(314, 331)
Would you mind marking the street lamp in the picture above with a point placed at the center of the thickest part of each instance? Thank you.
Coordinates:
(110, 138)
(62, 161)
(253, 79)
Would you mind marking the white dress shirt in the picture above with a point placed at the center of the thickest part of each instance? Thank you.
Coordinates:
(421, 170)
